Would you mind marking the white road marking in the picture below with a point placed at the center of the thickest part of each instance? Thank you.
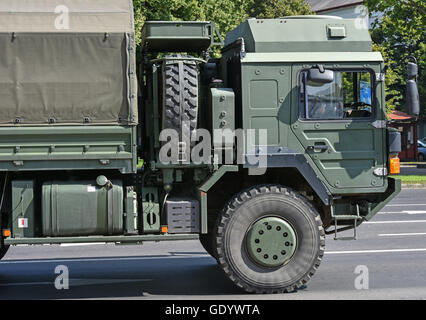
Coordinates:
(75, 282)
(414, 211)
(81, 244)
(376, 251)
(388, 212)
(405, 205)
(400, 221)
(401, 234)
(405, 211)
(3, 262)
(25, 284)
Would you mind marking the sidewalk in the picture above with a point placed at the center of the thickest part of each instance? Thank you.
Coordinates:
(414, 169)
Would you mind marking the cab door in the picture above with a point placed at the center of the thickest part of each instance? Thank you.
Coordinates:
(340, 126)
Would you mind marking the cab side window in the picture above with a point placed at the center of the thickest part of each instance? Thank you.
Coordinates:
(349, 95)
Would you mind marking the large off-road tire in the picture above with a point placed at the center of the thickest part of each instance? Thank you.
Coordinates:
(270, 239)
(180, 99)
(208, 241)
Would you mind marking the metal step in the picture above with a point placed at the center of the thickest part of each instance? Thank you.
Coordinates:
(336, 218)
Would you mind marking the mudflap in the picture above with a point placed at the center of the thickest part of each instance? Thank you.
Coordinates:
(394, 188)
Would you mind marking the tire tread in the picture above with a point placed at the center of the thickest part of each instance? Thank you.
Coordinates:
(239, 200)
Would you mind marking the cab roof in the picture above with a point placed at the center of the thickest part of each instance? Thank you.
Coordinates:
(303, 34)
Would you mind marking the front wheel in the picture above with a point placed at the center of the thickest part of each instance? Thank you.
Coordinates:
(208, 243)
(269, 239)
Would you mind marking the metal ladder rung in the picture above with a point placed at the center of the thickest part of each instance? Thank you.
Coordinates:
(346, 217)
(345, 238)
(336, 218)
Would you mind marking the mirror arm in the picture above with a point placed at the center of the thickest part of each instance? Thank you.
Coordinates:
(414, 58)
(320, 67)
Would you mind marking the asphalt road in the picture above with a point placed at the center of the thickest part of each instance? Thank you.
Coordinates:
(413, 170)
(391, 251)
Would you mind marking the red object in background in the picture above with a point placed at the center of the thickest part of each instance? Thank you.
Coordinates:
(407, 126)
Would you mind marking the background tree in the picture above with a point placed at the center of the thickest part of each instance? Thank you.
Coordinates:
(399, 32)
(227, 14)
(267, 9)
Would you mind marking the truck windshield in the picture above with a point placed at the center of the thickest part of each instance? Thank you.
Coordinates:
(348, 96)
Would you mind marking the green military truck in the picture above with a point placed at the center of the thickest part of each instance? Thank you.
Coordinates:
(258, 154)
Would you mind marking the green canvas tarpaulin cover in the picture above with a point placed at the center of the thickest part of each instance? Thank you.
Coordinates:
(67, 62)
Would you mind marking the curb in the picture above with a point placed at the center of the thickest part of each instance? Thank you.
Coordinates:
(413, 186)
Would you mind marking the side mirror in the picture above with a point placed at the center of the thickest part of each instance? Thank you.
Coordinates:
(413, 70)
(320, 75)
(412, 94)
(412, 99)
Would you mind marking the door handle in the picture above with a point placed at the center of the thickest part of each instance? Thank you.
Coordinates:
(321, 147)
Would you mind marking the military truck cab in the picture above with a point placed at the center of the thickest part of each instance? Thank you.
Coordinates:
(258, 153)
(315, 83)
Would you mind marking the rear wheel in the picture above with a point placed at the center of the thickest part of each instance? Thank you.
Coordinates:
(421, 157)
(269, 239)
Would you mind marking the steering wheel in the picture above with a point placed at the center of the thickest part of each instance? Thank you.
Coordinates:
(356, 105)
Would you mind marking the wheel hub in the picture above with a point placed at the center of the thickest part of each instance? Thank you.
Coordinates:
(271, 242)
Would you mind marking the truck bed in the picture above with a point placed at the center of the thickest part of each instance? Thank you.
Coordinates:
(68, 148)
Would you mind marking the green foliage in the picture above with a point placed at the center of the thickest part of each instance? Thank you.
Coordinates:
(411, 179)
(227, 14)
(349, 81)
(279, 8)
(139, 18)
(165, 10)
(398, 33)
